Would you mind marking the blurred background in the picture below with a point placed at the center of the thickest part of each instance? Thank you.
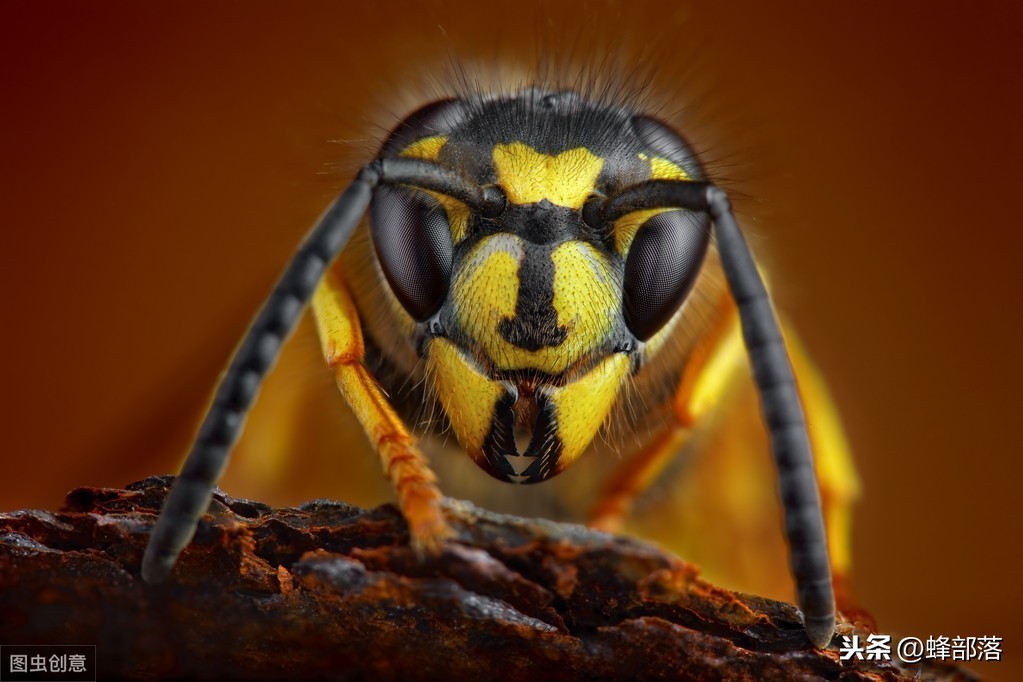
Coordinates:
(161, 161)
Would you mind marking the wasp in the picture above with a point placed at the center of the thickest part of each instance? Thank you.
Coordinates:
(544, 264)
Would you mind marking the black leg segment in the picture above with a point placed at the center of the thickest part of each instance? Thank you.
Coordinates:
(190, 495)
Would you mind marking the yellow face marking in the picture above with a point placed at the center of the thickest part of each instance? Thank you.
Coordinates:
(467, 396)
(663, 169)
(625, 228)
(470, 399)
(581, 406)
(528, 177)
(429, 149)
(585, 296)
(486, 289)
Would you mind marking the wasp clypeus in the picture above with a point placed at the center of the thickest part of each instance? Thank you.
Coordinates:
(538, 259)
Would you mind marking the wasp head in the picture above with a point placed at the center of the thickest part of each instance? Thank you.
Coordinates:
(532, 317)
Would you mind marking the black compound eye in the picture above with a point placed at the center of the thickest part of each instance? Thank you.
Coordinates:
(412, 237)
(661, 268)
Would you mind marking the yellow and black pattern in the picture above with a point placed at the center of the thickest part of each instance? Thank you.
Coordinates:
(534, 327)
(536, 261)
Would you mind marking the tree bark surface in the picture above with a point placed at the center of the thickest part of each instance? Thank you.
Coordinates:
(331, 591)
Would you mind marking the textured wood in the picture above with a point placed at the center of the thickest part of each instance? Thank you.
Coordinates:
(327, 590)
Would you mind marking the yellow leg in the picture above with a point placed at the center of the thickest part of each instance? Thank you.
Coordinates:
(715, 367)
(404, 465)
(638, 473)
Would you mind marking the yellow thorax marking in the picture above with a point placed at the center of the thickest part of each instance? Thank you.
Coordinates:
(428, 149)
(528, 176)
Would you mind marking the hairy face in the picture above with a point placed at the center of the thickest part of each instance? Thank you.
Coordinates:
(540, 314)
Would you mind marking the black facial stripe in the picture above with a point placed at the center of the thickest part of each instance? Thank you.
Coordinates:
(535, 324)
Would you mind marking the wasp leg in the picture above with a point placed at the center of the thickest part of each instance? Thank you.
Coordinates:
(637, 473)
(716, 367)
(404, 465)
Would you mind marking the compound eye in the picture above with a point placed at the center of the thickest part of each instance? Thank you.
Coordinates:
(661, 268)
(412, 237)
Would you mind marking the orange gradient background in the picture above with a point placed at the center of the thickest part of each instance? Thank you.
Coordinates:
(160, 161)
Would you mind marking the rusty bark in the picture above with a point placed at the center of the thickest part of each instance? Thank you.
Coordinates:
(330, 591)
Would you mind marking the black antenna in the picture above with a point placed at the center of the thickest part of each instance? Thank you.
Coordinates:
(779, 398)
(190, 494)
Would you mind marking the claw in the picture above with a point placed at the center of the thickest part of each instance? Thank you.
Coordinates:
(428, 528)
